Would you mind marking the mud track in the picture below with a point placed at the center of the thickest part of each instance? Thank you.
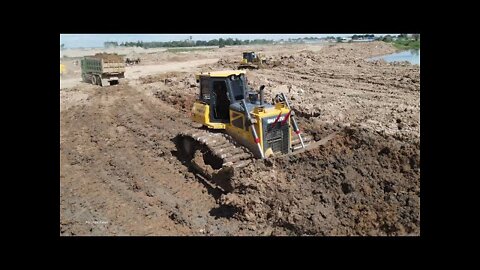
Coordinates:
(118, 174)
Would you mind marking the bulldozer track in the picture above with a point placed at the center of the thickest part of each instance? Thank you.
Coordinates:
(215, 156)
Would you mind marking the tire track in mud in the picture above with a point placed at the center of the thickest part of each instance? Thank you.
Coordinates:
(100, 170)
(211, 211)
(121, 144)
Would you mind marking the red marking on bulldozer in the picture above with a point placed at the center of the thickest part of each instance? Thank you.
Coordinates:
(276, 120)
(286, 118)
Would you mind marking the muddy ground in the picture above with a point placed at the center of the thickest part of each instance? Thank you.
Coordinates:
(119, 173)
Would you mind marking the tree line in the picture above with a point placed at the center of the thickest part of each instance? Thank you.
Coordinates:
(368, 36)
(188, 43)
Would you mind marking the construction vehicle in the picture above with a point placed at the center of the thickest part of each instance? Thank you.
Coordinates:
(251, 60)
(235, 127)
(132, 61)
(63, 70)
(103, 69)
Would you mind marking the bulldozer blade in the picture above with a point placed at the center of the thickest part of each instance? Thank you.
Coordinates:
(315, 144)
(306, 139)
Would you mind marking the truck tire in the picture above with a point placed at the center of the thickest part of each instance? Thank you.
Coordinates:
(99, 80)
(94, 79)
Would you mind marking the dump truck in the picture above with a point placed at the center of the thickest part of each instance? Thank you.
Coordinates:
(103, 69)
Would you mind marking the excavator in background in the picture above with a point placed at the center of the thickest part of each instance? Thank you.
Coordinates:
(235, 127)
(251, 60)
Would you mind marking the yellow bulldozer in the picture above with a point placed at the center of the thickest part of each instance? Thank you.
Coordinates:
(236, 126)
(63, 70)
(252, 60)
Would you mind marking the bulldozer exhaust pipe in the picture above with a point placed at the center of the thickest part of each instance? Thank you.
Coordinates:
(262, 94)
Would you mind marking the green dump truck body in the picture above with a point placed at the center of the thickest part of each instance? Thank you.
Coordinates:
(103, 69)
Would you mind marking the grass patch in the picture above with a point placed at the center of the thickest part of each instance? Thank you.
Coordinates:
(405, 44)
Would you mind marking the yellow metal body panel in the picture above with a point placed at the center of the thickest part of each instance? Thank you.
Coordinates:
(245, 137)
(242, 135)
(220, 74)
(201, 114)
(62, 69)
(259, 114)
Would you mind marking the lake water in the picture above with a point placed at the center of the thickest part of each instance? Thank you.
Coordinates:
(412, 56)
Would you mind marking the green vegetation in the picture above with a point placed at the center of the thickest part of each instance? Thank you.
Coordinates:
(368, 36)
(403, 41)
(405, 44)
(109, 44)
(190, 43)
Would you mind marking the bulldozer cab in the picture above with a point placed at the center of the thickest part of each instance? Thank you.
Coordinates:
(249, 56)
(219, 90)
(220, 101)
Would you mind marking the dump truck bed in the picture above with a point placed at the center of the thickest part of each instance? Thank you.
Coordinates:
(103, 69)
(103, 64)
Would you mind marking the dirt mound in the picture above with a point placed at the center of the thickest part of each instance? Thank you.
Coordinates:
(167, 57)
(179, 89)
(338, 85)
(109, 57)
(359, 184)
(225, 63)
(169, 78)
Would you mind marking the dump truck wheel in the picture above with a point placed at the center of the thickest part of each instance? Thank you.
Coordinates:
(94, 80)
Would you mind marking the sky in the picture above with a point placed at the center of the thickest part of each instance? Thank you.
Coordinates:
(97, 40)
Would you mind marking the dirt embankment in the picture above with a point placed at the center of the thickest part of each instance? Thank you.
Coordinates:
(358, 184)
